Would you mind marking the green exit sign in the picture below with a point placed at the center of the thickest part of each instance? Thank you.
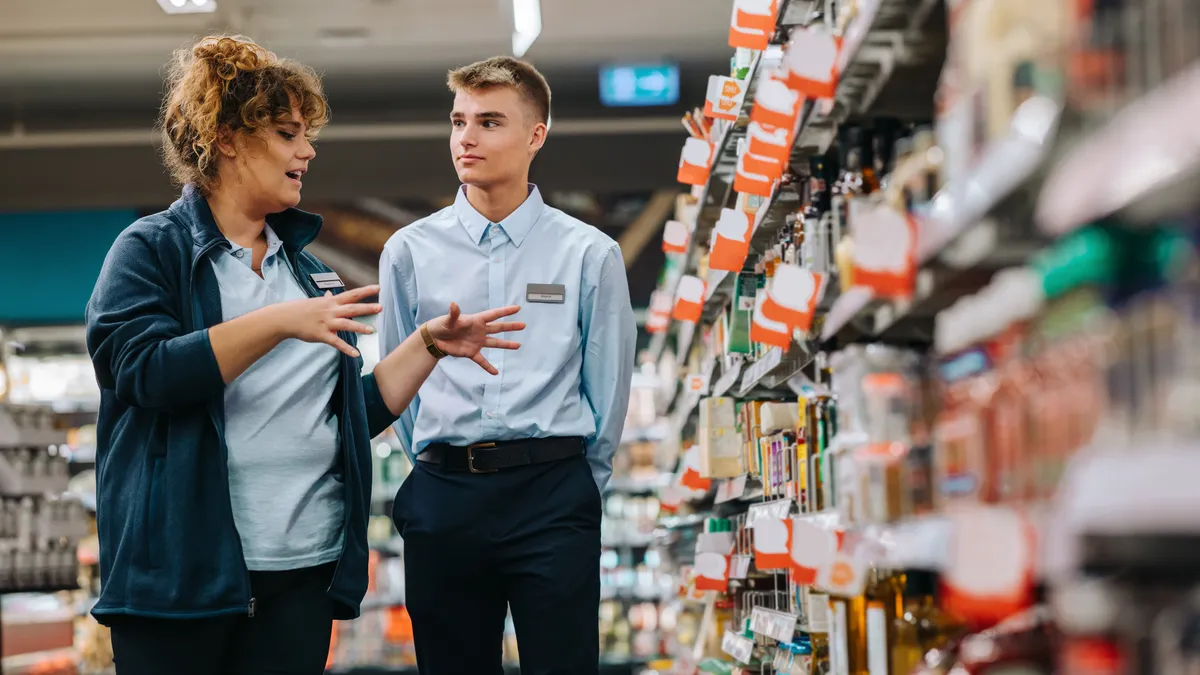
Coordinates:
(639, 85)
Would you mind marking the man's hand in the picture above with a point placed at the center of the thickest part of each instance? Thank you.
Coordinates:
(464, 335)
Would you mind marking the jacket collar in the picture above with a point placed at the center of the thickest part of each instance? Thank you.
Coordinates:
(517, 225)
(295, 228)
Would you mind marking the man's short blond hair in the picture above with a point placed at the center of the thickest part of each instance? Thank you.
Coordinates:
(505, 71)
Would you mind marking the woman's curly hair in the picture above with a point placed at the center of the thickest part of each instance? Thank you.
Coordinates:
(230, 84)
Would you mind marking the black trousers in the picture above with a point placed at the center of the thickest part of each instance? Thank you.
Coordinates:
(288, 634)
(526, 539)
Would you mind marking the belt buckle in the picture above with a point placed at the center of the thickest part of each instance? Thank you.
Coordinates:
(471, 457)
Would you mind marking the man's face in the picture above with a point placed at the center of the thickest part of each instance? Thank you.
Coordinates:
(494, 136)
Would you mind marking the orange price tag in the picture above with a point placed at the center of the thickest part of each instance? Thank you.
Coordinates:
(691, 477)
(812, 551)
(754, 181)
(811, 61)
(675, 237)
(759, 15)
(712, 572)
(885, 250)
(772, 542)
(765, 331)
(793, 296)
(695, 162)
(731, 241)
(775, 103)
(689, 299)
(772, 143)
(725, 98)
(989, 575)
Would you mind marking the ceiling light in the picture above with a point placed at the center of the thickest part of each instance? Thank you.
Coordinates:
(527, 25)
(188, 6)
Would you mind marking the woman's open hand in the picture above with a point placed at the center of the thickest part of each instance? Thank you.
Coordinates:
(320, 319)
(464, 335)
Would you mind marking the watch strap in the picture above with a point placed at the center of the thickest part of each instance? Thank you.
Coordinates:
(430, 344)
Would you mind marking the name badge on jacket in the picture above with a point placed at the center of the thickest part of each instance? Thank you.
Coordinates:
(325, 280)
(555, 294)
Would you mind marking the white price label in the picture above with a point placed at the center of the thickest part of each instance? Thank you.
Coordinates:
(715, 542)
(740, 648)
(775, 625)
(777, 509)
(818, 612)
(731, 489)
(739, 566)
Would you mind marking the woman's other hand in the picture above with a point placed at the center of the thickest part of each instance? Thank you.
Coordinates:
(320, 319)
(465, 335)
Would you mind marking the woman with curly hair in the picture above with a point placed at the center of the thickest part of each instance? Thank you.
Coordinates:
(233, 447)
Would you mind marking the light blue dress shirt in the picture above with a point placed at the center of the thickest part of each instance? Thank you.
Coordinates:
(572, 374)
(280, 429)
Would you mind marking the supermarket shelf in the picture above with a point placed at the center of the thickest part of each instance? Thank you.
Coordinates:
(643, 435)
(1149, 148)
(718, 191)
(768, 221)
(961, 243)
(629, 541)
(729, 377)
(773, 370)
(796, 12)
(609, 666)
(638, 485)
(884, 37)
(922, 542)
(681, 522)
(382, 602)
(636, 595)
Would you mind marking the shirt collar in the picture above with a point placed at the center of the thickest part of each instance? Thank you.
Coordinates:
(296, 228)
(517, 225)
(274, 243)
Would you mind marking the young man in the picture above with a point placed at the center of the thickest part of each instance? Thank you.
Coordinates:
(503, 507)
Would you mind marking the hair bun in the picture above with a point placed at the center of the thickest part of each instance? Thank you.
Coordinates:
(229, 55)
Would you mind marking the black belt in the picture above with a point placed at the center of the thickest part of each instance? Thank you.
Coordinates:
(492, 457)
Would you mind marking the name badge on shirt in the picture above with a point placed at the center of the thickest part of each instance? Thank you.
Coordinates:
(548, 293)
(325, 280)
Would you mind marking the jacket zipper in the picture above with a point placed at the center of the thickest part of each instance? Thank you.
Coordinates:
(198, 320)
(313, 292)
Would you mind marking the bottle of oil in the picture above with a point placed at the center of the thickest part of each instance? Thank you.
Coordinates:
(884, 605)
(921, 626)
(848, 635)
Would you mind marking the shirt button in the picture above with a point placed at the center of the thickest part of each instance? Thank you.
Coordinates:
(491, 414)
(496, 259)
(240, 252)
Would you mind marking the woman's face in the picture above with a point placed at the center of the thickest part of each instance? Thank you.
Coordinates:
(267, 168)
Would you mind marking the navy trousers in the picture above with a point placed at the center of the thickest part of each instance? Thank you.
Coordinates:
(526, 539)
(288, 635)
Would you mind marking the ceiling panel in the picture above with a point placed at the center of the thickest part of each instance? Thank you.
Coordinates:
(73, 40)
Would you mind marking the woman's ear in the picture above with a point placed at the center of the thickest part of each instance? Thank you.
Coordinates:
(225, 143)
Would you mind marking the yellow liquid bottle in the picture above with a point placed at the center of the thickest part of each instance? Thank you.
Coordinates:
(884, 606)
(848, 635)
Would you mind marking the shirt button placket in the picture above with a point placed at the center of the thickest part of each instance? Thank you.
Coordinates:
(491, 396)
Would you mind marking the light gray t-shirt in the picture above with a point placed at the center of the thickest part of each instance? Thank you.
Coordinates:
(280, 428)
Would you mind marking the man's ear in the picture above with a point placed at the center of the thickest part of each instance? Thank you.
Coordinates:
(225, 143)
(538, 138)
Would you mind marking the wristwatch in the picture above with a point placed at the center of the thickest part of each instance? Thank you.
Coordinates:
(430, 344)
